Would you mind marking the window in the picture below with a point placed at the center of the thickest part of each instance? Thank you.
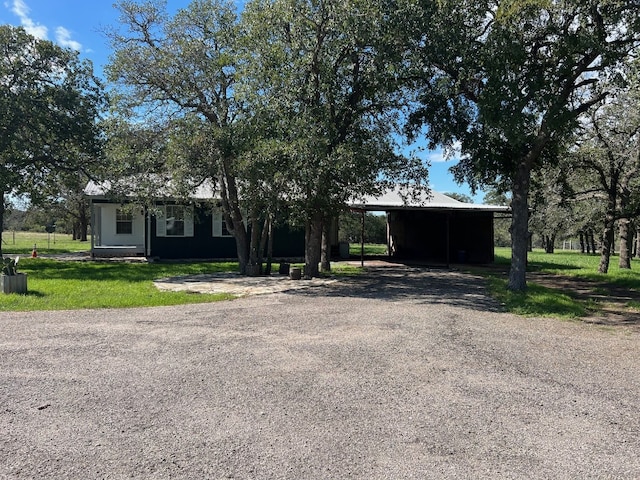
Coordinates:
(220, 228)
(124, 222)
(175, 221)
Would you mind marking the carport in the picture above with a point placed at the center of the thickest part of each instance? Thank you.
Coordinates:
(435, 228)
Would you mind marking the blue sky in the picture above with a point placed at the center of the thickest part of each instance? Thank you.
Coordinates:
(78, 24)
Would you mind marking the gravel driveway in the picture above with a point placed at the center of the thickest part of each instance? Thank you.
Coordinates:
(404, 374)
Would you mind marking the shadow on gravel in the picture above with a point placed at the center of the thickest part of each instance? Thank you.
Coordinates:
(417, 284)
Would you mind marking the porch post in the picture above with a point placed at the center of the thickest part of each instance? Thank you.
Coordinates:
(362, 242)
(448, 240)
(93, 227)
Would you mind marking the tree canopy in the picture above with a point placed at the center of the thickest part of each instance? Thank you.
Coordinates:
(50, 102)
(510, 80)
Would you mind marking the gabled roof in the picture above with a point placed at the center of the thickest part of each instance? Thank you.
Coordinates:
(393, 200)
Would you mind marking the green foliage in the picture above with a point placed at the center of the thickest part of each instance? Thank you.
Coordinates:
(50, 103)
(461, 197)
(350, 228)
(326, 88)
(10, 265)
(511, 85)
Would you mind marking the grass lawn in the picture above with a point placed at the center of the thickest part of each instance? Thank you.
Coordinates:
(370, 249)
(539, 300)
(21, 243)
(62, 285)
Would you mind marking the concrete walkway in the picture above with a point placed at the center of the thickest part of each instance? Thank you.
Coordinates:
(239, 285)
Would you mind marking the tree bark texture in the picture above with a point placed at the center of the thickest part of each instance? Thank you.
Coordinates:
(626, 239)
(325, 259)
(519, 228)
(592, 241)
(233, 215)
(313, 246)
(582, 249)
(549, 243)
(608, 235)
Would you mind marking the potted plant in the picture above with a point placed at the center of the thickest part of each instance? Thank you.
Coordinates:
(11, 281)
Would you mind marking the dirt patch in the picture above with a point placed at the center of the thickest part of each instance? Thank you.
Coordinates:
(612, 301)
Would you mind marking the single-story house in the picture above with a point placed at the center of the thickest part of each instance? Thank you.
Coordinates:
(435, 228)
(171, 229)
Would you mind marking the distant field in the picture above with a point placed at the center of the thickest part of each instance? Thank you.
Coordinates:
(369, 249)
(21, 243)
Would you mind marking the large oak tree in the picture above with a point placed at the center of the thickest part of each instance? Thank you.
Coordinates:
(510, 80)
(49, 106)
(325, 77)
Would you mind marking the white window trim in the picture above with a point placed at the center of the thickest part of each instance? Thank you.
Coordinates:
(120, 211)
(217, 222)
(161, 222)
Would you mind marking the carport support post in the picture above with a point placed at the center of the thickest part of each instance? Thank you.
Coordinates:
(362, 242)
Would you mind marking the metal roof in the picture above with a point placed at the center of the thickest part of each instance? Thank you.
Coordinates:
(395, 200)
(204, 191)
(391, 200)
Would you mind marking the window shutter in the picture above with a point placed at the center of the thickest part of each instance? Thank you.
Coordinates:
(188, 221)
(217, 224)
(161, 222)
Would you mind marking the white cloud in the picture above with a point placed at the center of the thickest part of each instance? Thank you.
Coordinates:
(33, 28)
(23, 12)
(63, 37)
(445, 155)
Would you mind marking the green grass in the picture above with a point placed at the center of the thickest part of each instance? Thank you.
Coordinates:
(21, 243)
(537, 301)
(541, 301)
(578, 265)
(370, 249)
(60, 285)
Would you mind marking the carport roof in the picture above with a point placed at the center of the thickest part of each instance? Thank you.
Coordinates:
(394, 200)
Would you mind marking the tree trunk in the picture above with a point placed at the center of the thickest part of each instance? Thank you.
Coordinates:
(638, 240)
(255, 257)
(581, 242)
(264, 238)
(83, 222)
(608, 235)
(549, 243)
(1, 220)
(592, 241)
(625, 243)
(313, 247)
(233, 215)
(325, 259)
(267, 270)
(519, 228)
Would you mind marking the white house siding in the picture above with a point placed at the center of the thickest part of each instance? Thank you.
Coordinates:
(107, 222)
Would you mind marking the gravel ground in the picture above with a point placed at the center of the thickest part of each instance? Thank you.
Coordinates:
(405, 374)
